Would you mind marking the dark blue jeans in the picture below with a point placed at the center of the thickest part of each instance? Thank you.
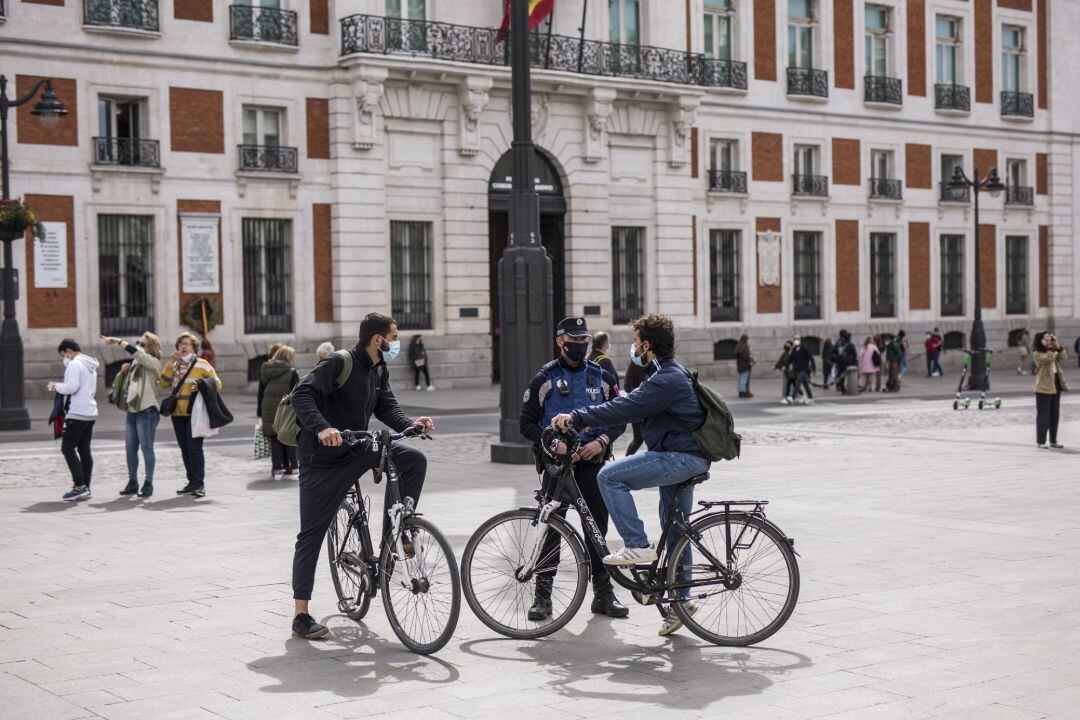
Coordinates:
(140, 428)
(191, 449)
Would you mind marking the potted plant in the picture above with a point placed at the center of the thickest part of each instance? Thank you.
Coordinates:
(15, 217)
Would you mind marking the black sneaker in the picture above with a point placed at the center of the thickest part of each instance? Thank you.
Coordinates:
(131, 488)
(186, 490)
(147, 490)
(303, 625)
(199, 492)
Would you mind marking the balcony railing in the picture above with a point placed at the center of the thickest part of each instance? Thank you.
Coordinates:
(1016, 305)
(883, 309)
(269, 158)
(133, 152)
(729, 313)
(732, 181)
(952, 309)
(259, 24)
(885, 90)
(1017, 104)
(807, 81)
(462, 43)
(1019, 195)
(886, 188)
(128, 14)
(955, 195)
(807, 310)
(816, 185)
(624, 315)
(952, 97)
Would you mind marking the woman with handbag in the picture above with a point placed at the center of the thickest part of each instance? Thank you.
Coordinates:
(418, 360)
(183, 370)
(277, 378)
(135, 392)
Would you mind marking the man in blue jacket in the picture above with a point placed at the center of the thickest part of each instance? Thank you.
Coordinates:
(669, 411)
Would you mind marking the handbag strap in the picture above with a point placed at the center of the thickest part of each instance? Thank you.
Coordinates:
(180, 385)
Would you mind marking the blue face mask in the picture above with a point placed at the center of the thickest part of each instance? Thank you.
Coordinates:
(392, 351)
(638, 360)
(576, 352)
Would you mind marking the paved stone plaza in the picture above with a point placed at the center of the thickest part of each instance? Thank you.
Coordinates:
(938, 557)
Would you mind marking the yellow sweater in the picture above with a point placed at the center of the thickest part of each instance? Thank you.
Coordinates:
(202, 370)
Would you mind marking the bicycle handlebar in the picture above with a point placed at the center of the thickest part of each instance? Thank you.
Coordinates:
(355, 437)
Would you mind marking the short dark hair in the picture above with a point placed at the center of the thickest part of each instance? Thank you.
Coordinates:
(658, 331)
(374, 324)
(68, 344)
(600, 339)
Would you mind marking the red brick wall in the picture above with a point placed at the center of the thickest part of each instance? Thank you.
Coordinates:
(319, 16)
(322, 244)
(197, 120)
(847, 265)
(198, 10)
(318, 128)
(1043, 54)
(988, 265)
(985, 159)
(44, 2)
(765, 40)
(916, 47)
(845, 162)
(843, 44)
(693, 152)
(28, 128)
(769, 297)
(767, 156)
(918, 166)
(984, 51)
(52, 307)
(919, 265)
(1044, 266)
(1042, 173)
(1015, 4)
(209, 207)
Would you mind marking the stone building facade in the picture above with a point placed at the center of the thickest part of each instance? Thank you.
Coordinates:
(746, 166)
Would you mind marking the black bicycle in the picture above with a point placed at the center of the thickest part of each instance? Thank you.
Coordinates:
(743, 581)
(415, 569)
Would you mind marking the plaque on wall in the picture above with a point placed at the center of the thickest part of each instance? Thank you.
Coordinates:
(768, 248)
(50, 257)
(199, 249)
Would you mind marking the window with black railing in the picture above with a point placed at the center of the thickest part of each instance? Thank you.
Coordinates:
(813, 185)
(882, 275)
(125, 274)
(810, 82)
(952, 275)
(724, 275)
(262, 24)
(410, 274)
(954, 194)
(730, 181)
(1016, 274)
(885, 90)
(886, 189)
(627, 273)
(134, 152)
(1019, 195)
(125, 14)
(807, 275)
(268, 158)
(267, 257)
(952, 97)
(1017, 104)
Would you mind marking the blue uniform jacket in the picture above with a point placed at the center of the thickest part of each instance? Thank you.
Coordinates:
(587, 384)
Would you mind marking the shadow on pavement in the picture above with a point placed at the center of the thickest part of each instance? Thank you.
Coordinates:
(121, 503)
(271, 485)
(47, 507)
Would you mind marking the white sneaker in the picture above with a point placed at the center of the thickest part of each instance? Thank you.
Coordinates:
(631, 556)
(431, 388)
(785, 401)
(277, 475)
(418, 388)
(1042, 446)
(802, 401)
(292, 476)
(673, 622)
(809, 401)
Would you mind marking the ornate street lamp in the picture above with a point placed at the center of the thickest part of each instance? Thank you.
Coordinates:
(13, 413)
(993, 185)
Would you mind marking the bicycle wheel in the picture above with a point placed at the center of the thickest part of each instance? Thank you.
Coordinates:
(766, 573)
(352, 581)
(492, 557)
(422, 593)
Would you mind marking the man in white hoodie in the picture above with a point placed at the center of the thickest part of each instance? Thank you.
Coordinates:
(80, 385)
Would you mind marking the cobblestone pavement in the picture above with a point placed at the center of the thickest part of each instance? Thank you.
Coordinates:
(939, 554)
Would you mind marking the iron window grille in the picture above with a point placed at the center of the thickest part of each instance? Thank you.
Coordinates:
(724, 350)
(724, 275)
(262, 24)
(952, 97)
(269, 158)
(1019, 195)
(956, 195)
(134, 152)
(267, 275)
(887, 90)
(807, 276)
(815, 185)
(410, 274)
(130, 14)
(628, 276)
(1016, 286)
(952, 275)
(807, 81)
(1017, 104)
(732, 181)
(126, 274)
(882, 275)
(886, 188)
(3, 9)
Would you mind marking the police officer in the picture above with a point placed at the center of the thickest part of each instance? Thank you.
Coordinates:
(565, 384)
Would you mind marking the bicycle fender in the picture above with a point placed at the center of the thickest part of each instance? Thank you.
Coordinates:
(571, 530)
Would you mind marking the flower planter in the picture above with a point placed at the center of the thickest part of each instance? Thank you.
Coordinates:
(12, 230)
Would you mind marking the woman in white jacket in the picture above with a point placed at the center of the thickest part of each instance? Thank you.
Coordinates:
(80, 385)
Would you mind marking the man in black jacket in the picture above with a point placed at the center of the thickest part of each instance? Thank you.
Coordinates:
(327, 467)
(801, 360)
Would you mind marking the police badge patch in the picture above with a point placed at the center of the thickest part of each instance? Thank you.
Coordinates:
(525, 399)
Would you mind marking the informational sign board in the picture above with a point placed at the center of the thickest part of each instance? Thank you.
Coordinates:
(768, 257)
(50, 257)
(199, 249)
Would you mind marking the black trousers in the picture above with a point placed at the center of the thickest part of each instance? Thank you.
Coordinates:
(282, 456)
(191, 450)
(585, 473)
(637, 442)
(417, 369)
(1047, 412)
(802, 380)
(76, 449)
(322, 489)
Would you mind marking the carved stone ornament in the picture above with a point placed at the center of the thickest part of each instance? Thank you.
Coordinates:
(768, 249)
(539, 114)
(598, 109)
(682, 116)
(368, 91)
(473, 96)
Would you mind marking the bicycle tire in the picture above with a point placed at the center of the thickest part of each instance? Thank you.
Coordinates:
(354, 607)
(696, 622)
(523, 592)
(393, 597)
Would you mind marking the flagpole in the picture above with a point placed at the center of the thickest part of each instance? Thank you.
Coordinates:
(581, 42)
(551, 24)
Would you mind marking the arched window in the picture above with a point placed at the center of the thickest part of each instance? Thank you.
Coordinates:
(813, 344)
(254, 365)
(1016, 337)
(724, 350)
(954, 340)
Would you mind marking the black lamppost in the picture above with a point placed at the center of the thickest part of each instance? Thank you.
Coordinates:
(525, 313)
(13, 413)
(992, 184)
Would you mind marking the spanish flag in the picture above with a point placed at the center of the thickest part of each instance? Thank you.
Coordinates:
(538, 10)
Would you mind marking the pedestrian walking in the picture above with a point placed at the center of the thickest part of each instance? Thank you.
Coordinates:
(182, 371)
(1076, 349)
(894, 355)
(904, 347)
(635, 375)
(1022, 360)
(827, 351)
(324, 350)
(869, 363)
(933, 354)
(880, 343)
(600, 345)
(135, 392)
(744, 364)
(801, 363)
(418, 360)
(277, 378)
(80, 386)
(1049, 358)
(845, 356)
(786, 375)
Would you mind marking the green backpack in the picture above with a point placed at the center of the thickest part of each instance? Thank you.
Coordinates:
(716, 438)
(286, 426)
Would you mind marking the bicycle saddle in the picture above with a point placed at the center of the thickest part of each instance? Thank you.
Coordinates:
(696, 480)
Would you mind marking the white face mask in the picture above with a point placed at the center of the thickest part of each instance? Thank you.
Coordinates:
(638, 360)
(188, 358)
(394, 347)
(67, 361)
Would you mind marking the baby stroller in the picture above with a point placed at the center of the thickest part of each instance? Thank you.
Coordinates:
(961, 401)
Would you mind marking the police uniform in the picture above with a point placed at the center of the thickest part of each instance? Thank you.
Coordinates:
(560, 387)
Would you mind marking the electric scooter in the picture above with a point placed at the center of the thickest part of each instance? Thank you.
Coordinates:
(962, 401)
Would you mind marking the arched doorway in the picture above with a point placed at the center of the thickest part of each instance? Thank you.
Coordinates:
(552, 225)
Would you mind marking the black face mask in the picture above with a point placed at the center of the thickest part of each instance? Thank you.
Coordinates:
(576, 352)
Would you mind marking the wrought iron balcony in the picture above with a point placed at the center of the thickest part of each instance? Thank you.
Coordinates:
(886, 188)
(807, 309)
(955, 195)
(816, 185)
(259, 24)
(1019, 195)
(952, 308)
(412, 319)
(726, 313)
(462, 43)
(807, 81)
(732, 181)
(1017, 104)
(128, 14)
(1016, 305)
(268, 158)
(952, 97)
(624, 315)
(885, 90)
(883, 309)
(132, 152)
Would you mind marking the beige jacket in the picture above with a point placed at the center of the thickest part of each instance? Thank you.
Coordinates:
(1044, 375)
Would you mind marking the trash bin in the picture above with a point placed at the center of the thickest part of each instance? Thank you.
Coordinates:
(851, 381)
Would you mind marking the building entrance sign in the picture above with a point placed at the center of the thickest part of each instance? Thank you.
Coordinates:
(50, 257)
